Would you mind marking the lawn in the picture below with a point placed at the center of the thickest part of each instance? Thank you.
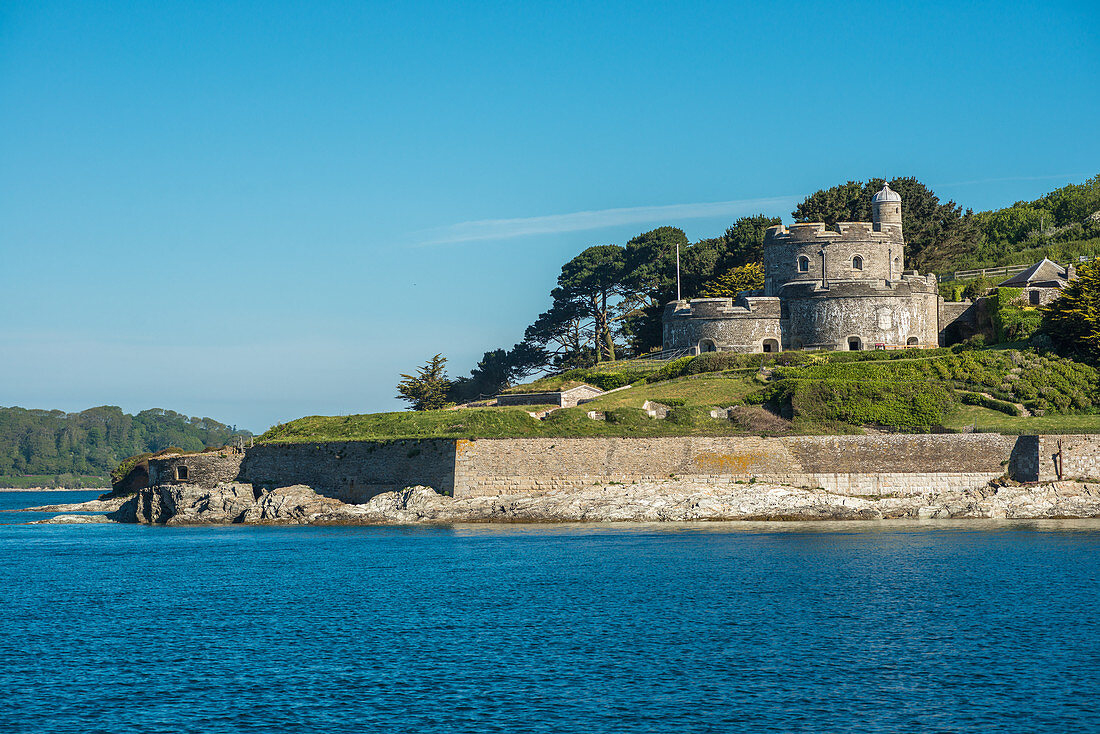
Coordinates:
(702, 390)
(984, 419)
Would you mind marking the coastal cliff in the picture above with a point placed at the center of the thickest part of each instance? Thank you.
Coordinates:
(659, 501)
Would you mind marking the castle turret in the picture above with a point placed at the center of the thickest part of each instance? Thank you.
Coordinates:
(886, 208)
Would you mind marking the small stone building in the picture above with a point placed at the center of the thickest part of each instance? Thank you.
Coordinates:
(1042, 282)
(841, 287)
(563, 398)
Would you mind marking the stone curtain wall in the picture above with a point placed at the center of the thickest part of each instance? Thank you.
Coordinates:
(205, 470)
(902, 464)
(1079, 457)
(353, 471)
(864, 465)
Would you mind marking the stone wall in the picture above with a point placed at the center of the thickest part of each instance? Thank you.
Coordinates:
(353, 471)
(731, 327)
(905, 314)
(203, 469)
(882, 253)
(902, 464)
(1077, 457)
(864, 465)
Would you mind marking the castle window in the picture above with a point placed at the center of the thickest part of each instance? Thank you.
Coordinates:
(707, 345)
(855, 343)
(911, 341)
(771, 345)
(181, 473)
(857, 262)
(803, 264)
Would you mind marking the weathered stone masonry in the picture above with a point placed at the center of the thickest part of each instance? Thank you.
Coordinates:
(863, 465)
(870, 465)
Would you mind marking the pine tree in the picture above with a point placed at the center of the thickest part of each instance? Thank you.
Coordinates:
(428, 389)
(1072, 321)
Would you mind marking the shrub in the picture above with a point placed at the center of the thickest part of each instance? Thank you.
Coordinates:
(973, 398)
(627, 416)
(715, 362)
(758, 420)
(689, 417)
(908, 405)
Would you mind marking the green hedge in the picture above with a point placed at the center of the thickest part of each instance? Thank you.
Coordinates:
(901, 405)
(973, 398)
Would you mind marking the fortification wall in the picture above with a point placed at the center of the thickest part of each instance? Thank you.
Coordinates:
(353, 471)
(871, 465)
(206, 470)
(733, 327)
(863, 465)
(882, 254)
(890, 316)
(1068, 457)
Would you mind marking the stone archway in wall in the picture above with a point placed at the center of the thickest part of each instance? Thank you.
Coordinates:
(707, 345)
(912, 342)
(854, 344)
(770, 345)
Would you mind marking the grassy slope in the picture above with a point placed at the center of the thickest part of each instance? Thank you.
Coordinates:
(697, 390)
(992, 370)
(983, 419)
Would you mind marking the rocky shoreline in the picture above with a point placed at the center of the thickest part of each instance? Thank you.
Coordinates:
(663, 501)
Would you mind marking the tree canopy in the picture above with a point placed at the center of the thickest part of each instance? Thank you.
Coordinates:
(427, 389)
(1072, 321)
(727, 285)
(94, 441)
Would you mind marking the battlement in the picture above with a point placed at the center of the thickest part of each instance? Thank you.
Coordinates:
(821, 232)
(750, 307)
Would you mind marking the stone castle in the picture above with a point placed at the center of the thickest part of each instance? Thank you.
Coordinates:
(842, 287)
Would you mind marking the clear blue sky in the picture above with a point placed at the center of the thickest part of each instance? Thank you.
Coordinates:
(257, 211)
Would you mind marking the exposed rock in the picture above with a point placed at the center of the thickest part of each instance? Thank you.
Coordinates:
(96, 505)
(658, 501)
(188, 504)
(71, 520)
(296, 504)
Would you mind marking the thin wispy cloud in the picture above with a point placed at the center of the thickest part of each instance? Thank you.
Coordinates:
(504, 229)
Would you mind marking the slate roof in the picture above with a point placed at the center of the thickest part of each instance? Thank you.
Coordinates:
(1045, 273)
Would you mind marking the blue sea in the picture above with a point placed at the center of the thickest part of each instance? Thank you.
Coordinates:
(755, 627)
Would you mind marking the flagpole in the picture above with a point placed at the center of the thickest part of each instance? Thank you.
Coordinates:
(677, 271)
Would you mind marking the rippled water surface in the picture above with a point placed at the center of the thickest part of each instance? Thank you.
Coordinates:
(750, 627)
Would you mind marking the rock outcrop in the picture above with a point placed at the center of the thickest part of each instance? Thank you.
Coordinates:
(663, 501)
(96, 505)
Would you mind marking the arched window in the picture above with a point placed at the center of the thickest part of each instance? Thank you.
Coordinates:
(855, 344)
(708, 345)
(857, 262)
(911, 341)
(771, 345)
(803, 264)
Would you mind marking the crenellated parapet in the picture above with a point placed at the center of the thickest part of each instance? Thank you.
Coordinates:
(826, 233)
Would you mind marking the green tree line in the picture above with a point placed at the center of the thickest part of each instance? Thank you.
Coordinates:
(94, 441)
